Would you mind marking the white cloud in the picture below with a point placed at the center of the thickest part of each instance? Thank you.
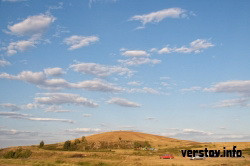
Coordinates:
(150, 118)
(40, 79)
(32, 25)
(134, 83)
(27, 76)
(127, 127)
(20, 46)
(123, 102)
(13, 0)
(165, 84)
(4, 63)
(87, 115)
(151, 90)
(143, 90)
(199, 135)
(97, 85)
(196, 46)
(15, 115)
(194, 132)
(84, 130)
(56, 71)
(100, 70)
(95, 1)
(165, 78)
(135, 53)
(238, 86)
(51, 120)
(192, 89)
(31, 106)
(242, 102)
(58, 6)
(139, 61)
(165, 50)
(158, 16)
(64, 98)
(14, 107)
(9, 106)
(76, 42)
(55, 108)
(188, 134)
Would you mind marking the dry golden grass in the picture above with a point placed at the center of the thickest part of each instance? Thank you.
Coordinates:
(129, 157)
(155, 140)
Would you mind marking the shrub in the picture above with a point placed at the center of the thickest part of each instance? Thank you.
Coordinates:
(84, 139)
(41, 144)
(101, 164)
(18, 153)
(77, 141)
(140, 144)
(84, 163)
(67, 145)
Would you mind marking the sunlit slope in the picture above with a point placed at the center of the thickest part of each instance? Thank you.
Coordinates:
(154, 140)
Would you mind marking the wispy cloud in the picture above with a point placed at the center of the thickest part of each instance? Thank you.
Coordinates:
(123, 102)
(242, 102)
(191, 89)
(87, 115)
(143, 90)
(240, 87)
(195, 46)
(51, 120)
(15, 115)
(95, 1)
(76, 42)
(40, 79)
(13, 0)
(4, 63)
(160, 15)
(101, 70)
(11, 132)
(11, 107)
(150, 118)
(56, 108)
(84, 130)
(134, 83)
(135, 61)
(64, 98)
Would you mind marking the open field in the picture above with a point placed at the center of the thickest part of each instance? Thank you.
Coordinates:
(126, 157)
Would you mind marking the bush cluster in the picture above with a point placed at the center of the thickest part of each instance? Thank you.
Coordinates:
(18, 153)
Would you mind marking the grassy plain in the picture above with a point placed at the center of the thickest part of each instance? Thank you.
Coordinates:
(126, 157)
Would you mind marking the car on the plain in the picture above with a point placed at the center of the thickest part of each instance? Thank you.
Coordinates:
(167, 156)
(197, 158)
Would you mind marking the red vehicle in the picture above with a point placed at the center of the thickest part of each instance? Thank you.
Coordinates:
(167, 156)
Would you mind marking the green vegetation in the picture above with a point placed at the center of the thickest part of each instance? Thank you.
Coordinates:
(246, 151)
(18, 153)
(84, 163)
(140, 144)
(51, 147)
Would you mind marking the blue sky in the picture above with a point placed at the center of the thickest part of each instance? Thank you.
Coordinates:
(173, 68)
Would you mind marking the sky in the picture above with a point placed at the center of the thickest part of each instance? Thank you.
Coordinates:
(173, 68)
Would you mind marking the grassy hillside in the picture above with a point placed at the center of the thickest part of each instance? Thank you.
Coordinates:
(120, 155)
